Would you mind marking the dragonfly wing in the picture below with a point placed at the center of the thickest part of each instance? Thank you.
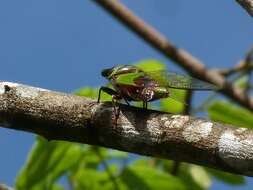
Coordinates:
(174, 80)
(164, 78)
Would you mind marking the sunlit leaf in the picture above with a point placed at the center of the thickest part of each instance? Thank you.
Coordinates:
(242, 82)
(46, 163)
(228, 178)
(200, 176)
(150, 65)
(192, 176)
(116, 154)
(95, 156)
(97, 179)
(92, 93)
(231, 114)
(176, 103)
(138, 176)
(57, 187)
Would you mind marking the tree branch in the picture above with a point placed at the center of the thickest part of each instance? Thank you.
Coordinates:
(5, 187)
(179, 56)
(58, 116)
(242, 66)
(247, 5)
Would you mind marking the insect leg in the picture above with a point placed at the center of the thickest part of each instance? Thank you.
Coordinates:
(106, 90)
(126, 101)
(116, 110)
(145, 105)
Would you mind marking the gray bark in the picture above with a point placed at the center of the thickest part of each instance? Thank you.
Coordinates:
(59, 116)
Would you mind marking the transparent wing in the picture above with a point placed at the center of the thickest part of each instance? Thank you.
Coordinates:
(178, 81)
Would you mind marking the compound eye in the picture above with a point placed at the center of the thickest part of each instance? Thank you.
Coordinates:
(106, 72)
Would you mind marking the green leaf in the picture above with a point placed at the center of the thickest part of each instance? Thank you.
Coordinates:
(95, 156)
(94, 179)
(90, 179)
(116, 154)
(242, 82)
(57, 187)
(228, 178)
(150, 65)
(175, 104)
(87, 92)
(144, 177)
(47, 162)
(200, 176)
(92, 93)
(192, 176)
(231, 114)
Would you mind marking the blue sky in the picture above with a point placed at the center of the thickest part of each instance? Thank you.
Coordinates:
(63, 45)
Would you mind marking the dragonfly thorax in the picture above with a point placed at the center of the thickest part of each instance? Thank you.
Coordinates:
(114, 72)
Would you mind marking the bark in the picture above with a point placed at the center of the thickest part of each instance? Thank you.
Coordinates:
(5, 187)
(59, 116)
(247, 5)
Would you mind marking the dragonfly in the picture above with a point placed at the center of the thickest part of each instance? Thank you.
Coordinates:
(131, 83)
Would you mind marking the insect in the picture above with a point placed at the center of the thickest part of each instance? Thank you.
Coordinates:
(131, 83)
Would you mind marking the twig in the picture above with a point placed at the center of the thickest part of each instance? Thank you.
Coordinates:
(61, 116)
(242, 66)
(179, 56)
(247, 5)
(248, 57)
(248, 61)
